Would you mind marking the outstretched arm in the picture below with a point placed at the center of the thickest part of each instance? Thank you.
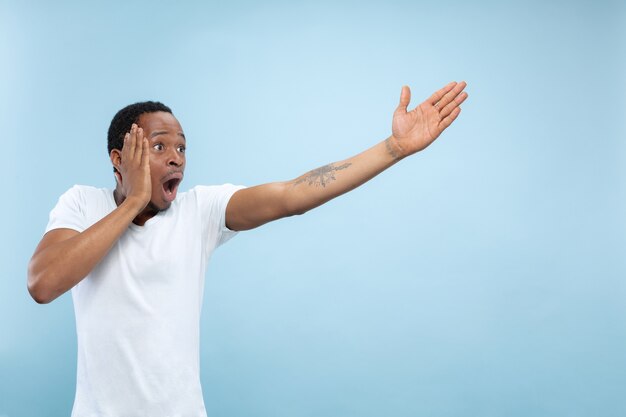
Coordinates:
(412, 131)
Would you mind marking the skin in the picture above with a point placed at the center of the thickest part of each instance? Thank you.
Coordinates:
(412, 131)
(153, 152)
(160, 136)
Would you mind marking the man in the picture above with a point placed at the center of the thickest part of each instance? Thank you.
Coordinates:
(135, 257)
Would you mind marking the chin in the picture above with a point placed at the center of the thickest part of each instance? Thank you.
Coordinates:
(159, 207)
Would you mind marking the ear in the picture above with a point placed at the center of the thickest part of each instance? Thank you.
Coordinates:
(116, 160)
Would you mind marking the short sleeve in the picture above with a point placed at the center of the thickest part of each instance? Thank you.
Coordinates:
(212, 201)
(68, 212)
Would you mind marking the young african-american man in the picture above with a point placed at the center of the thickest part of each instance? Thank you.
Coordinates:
(135, 257)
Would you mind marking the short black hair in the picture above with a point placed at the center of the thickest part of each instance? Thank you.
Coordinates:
(124, 119)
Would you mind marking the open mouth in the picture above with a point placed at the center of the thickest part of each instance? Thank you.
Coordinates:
(170, 186)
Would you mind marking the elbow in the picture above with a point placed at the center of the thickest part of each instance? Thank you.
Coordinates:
(39, 299)
(38, 295)
(298, 211)
(291, 207)
(298, 208)
(36, 288)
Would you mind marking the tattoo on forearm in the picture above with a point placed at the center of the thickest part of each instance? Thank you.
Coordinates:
(322, 176)
(394, 154)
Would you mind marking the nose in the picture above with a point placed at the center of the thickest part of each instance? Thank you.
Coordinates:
(175, 158)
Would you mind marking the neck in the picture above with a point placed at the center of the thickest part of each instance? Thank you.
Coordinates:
(146, 214)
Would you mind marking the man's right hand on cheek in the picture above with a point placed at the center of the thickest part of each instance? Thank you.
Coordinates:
(133, 173)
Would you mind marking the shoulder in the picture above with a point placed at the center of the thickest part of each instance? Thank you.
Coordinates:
(87, 193)
(86, 199)
(80, 207)
(88, 190)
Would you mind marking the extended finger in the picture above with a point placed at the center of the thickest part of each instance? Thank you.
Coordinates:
(126, 147)
(405, 97)
(145, 155)
(456, 102)
(437, 95)
(451, 95)
(447, 121)
(132, 141)
(139, 147)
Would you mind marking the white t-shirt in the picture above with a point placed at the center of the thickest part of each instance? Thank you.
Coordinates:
(138, 311)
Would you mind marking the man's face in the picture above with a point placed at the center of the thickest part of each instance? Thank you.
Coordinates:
(167, 156)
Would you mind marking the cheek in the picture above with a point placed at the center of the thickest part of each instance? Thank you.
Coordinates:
(154, 174)
(155, 163)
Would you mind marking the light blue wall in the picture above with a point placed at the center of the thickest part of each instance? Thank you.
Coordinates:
(482, 277)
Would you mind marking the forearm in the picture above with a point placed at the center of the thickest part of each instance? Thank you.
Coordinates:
(320, 185)
(252, 207)
(58, 266)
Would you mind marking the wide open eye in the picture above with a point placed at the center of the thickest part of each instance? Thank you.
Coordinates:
(182, 149)
(158, 146)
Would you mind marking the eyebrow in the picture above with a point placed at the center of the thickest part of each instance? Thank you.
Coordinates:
(165, 132)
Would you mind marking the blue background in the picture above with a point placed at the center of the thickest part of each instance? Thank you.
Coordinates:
(481, 277)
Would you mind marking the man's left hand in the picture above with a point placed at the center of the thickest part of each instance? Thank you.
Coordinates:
(414, 130)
